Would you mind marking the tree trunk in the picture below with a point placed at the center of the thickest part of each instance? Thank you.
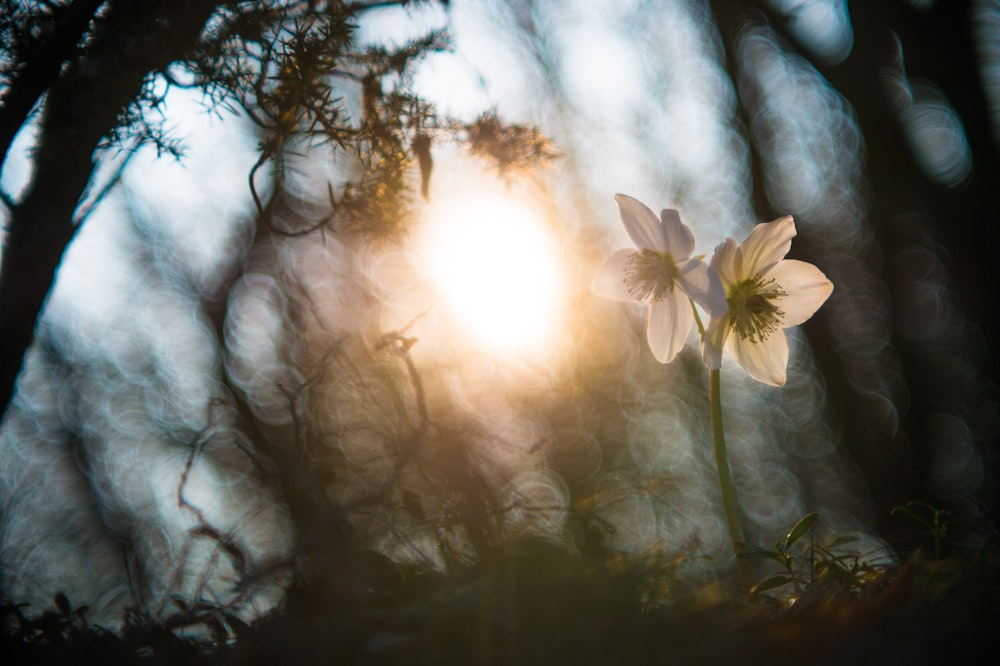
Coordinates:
(41, 68)
(130, 39)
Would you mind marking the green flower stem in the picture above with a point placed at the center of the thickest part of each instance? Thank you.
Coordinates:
(729, 502)
(697, 319)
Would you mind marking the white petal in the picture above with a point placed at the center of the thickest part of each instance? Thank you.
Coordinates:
(669, 324)
(715, 339)
(609, 281)
(641, 223)
(680, 240)
(728, 262)
(806, 286)
(767, 244)
(704, 287)
(766, 361)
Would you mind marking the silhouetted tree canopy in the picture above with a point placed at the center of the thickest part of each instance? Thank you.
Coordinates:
(103, 68)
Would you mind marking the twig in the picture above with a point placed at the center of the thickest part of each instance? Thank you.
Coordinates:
(91, 205)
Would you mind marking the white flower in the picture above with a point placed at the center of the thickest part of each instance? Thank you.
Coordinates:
(766, 293)
(662, 273)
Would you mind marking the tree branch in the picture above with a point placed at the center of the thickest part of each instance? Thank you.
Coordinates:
(41, 70)
(82, 105)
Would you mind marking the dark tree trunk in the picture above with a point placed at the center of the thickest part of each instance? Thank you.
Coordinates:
(42, 68)
(130, 39)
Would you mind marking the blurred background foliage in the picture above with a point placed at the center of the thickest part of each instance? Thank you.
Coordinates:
(245, 381)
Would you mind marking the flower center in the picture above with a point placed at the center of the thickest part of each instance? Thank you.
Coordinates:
(753, 313)
(650, 275)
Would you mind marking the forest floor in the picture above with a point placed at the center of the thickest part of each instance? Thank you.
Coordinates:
(537, 604)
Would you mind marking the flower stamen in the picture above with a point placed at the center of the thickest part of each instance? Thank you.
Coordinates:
(650, 275)
(753, 312)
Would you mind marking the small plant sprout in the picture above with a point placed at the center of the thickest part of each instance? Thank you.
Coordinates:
(751, 294)
(782, 554)
(934, 519)
(834, 567)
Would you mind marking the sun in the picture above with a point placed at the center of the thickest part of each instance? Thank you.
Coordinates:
(493, 262)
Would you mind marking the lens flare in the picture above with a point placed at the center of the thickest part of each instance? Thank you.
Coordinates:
(493, 261)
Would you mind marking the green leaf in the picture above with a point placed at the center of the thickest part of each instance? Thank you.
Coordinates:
(907, 511)
(751, 553)
(942, 517)
(841, 539)
(930, 508)
(805, 524)
(771, 583)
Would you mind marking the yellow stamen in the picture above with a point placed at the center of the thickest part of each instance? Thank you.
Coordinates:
(650, 275)
(753, 311)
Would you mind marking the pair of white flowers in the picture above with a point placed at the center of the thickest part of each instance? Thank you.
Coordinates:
(749, 290)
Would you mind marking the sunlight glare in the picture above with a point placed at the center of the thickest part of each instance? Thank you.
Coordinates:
(493, 260)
